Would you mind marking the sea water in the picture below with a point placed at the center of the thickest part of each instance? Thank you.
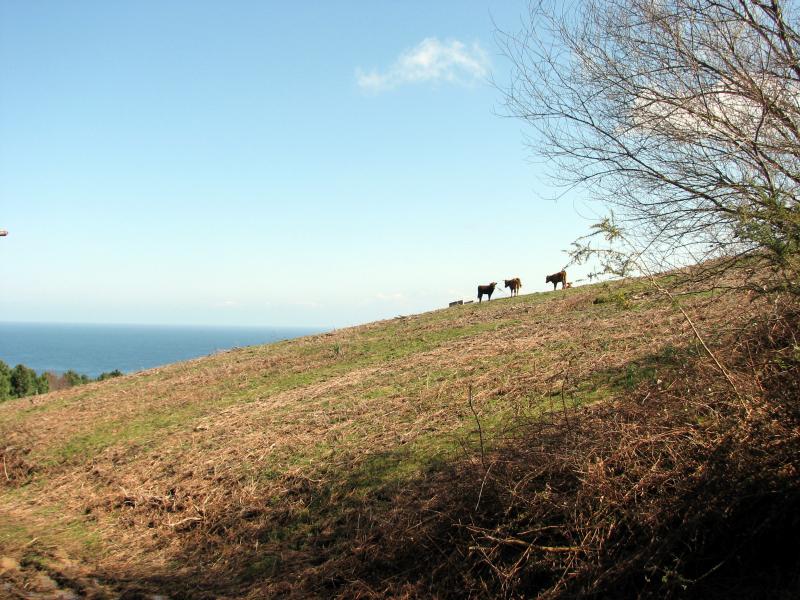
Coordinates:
(94, 349)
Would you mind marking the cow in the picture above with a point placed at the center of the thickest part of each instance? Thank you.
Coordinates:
(514, 284)
(486, 289)
(556, 278)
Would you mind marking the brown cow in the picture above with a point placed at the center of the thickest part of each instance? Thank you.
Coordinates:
(556, 278)
(514, 284)
(486, 289)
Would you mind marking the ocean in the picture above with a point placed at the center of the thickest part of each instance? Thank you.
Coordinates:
(94, 349)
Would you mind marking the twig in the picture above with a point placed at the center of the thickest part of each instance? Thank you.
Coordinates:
(637, 254)
(483, 483)
(186, 520)
(517, 542)
(686, 316)
(4, 468)
(564, 404)
(478, 421)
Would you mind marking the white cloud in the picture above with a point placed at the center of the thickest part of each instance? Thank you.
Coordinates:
(430, 61)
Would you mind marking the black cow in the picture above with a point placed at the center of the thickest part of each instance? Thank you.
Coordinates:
(556, 278)
(486, 289)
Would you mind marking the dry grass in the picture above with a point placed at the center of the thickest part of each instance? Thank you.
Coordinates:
(682, 489)
(317, 459)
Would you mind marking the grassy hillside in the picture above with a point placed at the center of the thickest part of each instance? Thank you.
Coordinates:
(356, 463)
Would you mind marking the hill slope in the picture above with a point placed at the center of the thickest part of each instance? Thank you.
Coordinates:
(322, 465)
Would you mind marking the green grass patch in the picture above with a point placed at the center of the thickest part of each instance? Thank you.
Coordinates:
(13, 534)
(144, 430)
(49, 526)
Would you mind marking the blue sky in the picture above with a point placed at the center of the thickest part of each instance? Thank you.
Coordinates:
(263, 163)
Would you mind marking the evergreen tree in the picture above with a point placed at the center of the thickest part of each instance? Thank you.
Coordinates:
(72, 378)
(5, 382)
(109, 375)
(23, 381)
(42, 384)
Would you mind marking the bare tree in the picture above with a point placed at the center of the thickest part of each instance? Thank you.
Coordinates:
(682, 115)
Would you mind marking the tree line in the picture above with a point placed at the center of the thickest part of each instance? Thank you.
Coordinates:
(23, 381)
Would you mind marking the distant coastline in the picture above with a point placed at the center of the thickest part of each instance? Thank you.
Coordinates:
(91, 349)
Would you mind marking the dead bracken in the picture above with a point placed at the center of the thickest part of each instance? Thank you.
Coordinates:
(600, 454)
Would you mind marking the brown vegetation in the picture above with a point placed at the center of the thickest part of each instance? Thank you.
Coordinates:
(682, 489)
(604, 456)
